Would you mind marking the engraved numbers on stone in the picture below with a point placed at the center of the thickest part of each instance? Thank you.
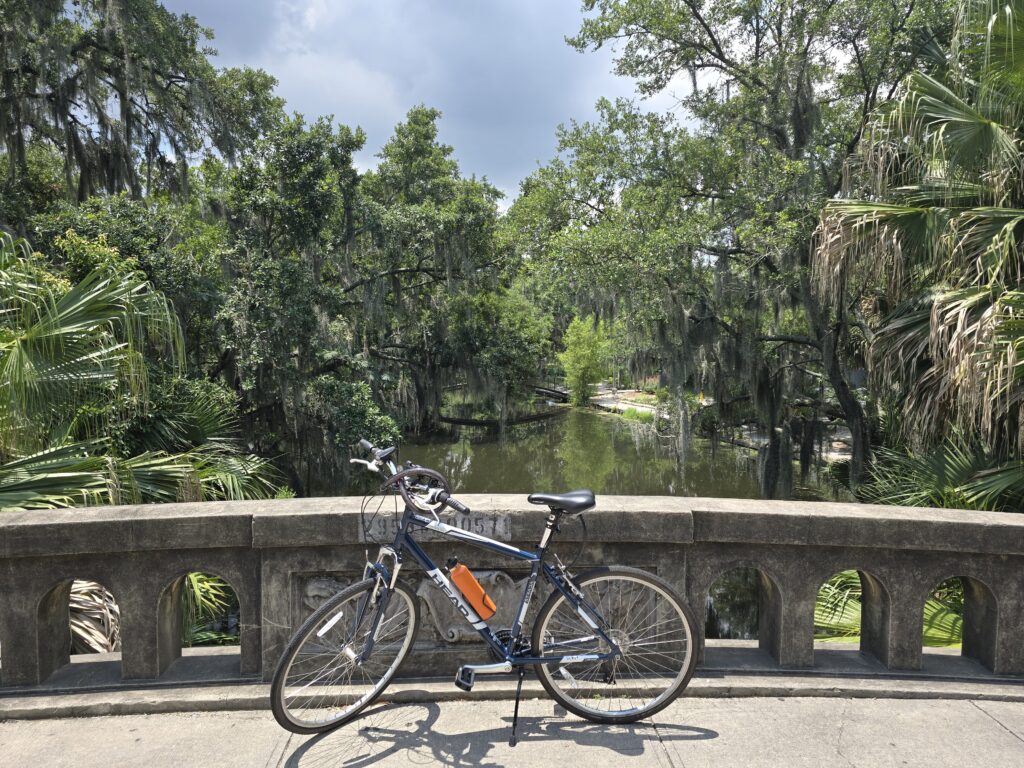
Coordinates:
(383, 528)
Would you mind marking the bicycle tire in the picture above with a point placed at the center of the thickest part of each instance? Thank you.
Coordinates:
(637, 665)
(324, 621)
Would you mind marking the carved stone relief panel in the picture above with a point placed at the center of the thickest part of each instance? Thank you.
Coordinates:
(440, 621)
(452, 627)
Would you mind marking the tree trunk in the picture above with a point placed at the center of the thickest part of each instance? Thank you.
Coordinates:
(827, 333)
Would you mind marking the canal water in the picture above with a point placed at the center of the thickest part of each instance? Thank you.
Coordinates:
(584, 449)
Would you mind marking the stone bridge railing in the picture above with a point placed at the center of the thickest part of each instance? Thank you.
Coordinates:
(283, 557)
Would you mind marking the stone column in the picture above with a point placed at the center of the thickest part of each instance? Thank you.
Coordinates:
(34, 641)
(1009, 645)
(150, 630)
(874, 617)
(980, 623)
(793, 636)
(902, 648)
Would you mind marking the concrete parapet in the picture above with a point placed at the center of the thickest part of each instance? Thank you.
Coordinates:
(283, 558)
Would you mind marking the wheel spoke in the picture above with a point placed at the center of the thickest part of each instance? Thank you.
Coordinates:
(648, 625)
(324, 681)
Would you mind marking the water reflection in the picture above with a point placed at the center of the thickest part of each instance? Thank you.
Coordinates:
(733, 604)
(584, 449)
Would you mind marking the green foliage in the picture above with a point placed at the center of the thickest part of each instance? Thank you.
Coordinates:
(66, 347)
(206, 601)
(36, 187)
(74, 372)
(178, 252)
(414, 168)
(124, 92)
(695, 232)
(926, 241)
(499, 339)
(643, 416)
(348, 412)
(427, 236)
(82, 256)
(952, 474)
(245, 109)
(585, 358)
(837, 611)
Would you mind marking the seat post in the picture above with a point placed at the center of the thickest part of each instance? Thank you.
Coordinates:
(549, 528)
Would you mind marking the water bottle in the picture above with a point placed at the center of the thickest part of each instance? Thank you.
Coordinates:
(471, 589)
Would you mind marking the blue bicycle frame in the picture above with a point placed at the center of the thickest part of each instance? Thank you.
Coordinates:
(557, 577)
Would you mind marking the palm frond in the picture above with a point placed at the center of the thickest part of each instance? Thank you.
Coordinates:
(95, 619)
(64, 346)
(64, 476)
(206, 601)
(936, 478)
(967, 139)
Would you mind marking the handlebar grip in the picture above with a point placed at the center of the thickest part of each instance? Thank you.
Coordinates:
(366, 445)
(452, 502)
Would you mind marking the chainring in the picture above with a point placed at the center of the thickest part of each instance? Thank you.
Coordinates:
(522, 648)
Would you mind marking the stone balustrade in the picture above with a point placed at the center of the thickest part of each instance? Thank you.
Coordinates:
(284, 557)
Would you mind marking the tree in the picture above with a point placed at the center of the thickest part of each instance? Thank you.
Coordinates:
(926, 244)
(585, 358)
(284, 340)
(122, 91)
(500, 341)
(714, 224)
(73, 369)
(423, 234)
(178, 250)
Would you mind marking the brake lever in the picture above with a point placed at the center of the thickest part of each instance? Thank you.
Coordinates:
(373, 466)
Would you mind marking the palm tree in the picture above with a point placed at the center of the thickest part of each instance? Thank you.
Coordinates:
(73, 371)
(926, 245)
(72, 363)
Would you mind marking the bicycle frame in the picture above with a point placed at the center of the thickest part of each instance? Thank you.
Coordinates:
(404, 543)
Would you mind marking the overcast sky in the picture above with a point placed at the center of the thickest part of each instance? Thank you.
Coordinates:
(499, 70)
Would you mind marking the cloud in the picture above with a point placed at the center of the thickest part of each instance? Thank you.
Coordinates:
(500, 71)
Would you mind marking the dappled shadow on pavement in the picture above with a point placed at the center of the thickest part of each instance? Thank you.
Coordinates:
(412, 731)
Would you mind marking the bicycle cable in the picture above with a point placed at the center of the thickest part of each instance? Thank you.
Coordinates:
(583, 543)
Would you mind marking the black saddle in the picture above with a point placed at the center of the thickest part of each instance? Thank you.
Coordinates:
(573, 501)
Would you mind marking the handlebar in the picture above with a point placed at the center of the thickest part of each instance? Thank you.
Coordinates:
(447, 499)
(401, 477)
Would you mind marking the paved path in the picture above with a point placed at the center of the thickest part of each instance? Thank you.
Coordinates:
(743, 733)
(620, 401)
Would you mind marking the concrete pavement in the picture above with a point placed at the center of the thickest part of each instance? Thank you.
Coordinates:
(693, 732)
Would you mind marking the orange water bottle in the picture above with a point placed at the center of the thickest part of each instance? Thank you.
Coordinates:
(471, 589)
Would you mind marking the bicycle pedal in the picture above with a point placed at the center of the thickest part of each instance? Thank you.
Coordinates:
(464, 678)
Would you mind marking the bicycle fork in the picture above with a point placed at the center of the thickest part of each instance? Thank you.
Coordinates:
(379, 596)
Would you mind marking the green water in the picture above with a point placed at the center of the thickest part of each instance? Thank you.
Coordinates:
(584, 449)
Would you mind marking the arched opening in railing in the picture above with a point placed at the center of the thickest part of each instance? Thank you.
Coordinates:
(851, 620)
(200, 622)
(742, 618)
(79, 633)
(959, 620)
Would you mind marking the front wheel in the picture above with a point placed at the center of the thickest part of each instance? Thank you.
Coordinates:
(323, 679)
(649, 622)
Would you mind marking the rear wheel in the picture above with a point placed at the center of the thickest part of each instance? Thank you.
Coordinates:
(322, 681)
(649, 622)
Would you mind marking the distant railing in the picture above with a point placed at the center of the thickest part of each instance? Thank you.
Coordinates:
(284, 557)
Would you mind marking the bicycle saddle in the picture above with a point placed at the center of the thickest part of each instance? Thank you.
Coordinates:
(573, 501)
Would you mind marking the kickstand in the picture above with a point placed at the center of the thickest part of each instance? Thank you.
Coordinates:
(515, 713)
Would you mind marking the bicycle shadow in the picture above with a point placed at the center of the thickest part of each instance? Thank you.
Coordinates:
(409, 729)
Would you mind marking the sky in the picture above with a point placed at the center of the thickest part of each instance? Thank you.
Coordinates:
(500, 71)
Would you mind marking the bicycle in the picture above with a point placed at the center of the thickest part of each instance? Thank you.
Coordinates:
(613, 644)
